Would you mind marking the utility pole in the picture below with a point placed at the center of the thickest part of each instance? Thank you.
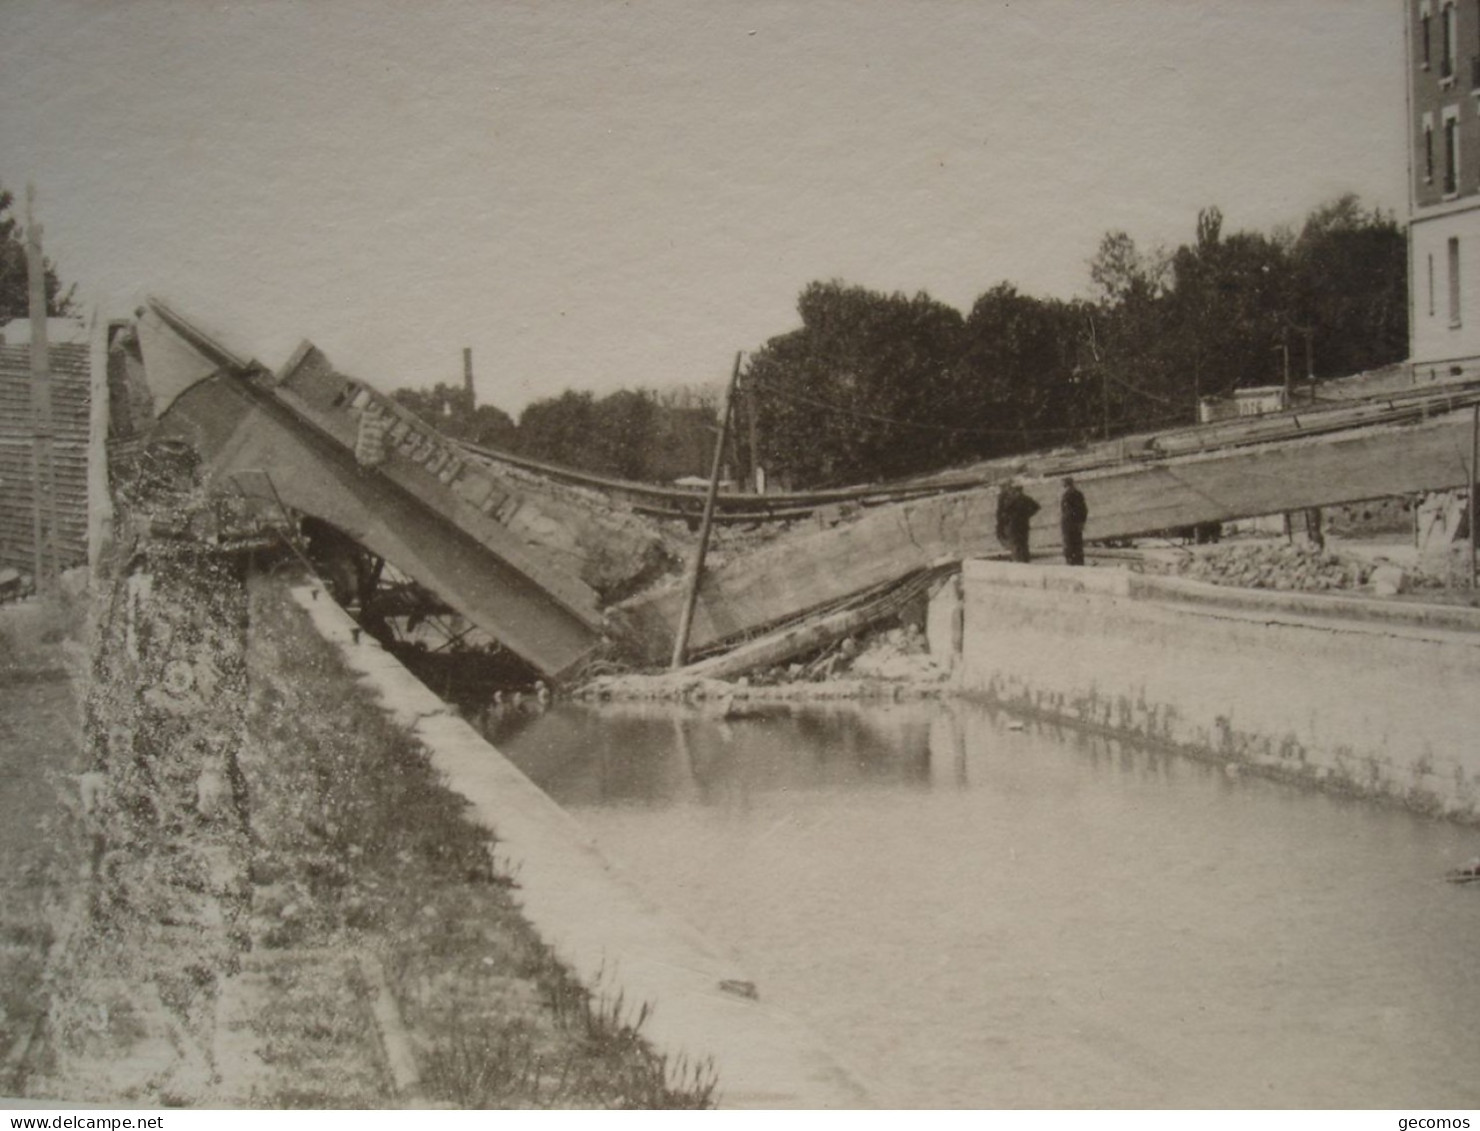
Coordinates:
(1094, 350)
(1308, 333)
(757, 473)
(1284, 349)
(1474, 489)
(43, 468)
(696, 570)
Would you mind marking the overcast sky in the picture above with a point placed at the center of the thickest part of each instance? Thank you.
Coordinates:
(597, 195)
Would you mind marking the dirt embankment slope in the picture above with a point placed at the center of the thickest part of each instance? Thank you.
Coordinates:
(40, 850)
(280, 903)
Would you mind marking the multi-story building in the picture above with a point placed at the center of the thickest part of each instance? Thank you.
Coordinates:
(1443, 41)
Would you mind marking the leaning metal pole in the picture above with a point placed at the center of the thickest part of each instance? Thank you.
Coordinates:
(696, 571)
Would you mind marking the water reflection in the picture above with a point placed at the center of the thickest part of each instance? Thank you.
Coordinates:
(653, 753)
(656, 754)
(978, 913)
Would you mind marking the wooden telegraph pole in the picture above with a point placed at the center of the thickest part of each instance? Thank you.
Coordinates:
(1474, 490)
(757, 473)
(696, 570)
(1284, 351)
(43, 467)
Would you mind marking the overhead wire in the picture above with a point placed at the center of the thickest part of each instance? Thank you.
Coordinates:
(1065, 430)
(802, 398)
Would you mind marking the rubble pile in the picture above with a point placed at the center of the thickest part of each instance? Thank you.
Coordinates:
(1275, 565)
(893, 655)
(1448, 569)
(889, 663)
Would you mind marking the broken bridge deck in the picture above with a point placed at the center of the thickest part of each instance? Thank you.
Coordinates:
(817, 569)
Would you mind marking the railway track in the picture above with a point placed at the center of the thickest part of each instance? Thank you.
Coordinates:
(1310, 420)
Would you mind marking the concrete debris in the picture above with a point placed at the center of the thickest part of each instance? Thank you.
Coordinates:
(1278, 565)
(1275, 565)
(891, 663)
(1388, 581)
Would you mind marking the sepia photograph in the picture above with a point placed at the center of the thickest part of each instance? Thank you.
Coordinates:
(762, 555)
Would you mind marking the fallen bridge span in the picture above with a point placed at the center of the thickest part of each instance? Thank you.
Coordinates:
(1138, 495)
(552, 576)
(277, 437)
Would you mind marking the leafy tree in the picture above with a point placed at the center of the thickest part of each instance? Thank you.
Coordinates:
(1350, 277)
(683, 442)
(625, 435)
(1232, 298)
(1219, 313)
(1137, 350)
(561, 430)
(450, 410)
(1022, 381)
(858, 392)
(15, 292)
(1122, 273)
(629, 434)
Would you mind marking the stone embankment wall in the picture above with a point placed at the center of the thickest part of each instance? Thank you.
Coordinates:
(1356, 695)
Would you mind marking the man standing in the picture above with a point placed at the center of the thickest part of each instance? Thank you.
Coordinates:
(1015, 510)
(1073, 514)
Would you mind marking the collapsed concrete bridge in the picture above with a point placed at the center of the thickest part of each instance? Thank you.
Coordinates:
(557, 566)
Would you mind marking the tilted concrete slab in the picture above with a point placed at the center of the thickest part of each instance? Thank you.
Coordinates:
(810, 571)
(587, 550)
(247, 436)
(252, 436)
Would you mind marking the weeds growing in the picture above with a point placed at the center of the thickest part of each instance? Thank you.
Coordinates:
(358, 843)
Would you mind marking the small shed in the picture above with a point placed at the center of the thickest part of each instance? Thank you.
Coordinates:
(68, 360)
(1254, 401)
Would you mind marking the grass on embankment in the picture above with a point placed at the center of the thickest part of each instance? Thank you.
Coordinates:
(283, 905)
(358, 846)
(273, 901)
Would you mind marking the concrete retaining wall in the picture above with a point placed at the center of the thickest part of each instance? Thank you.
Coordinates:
(1353, 695)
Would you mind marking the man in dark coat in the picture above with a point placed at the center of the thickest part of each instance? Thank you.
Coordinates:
(1073, 514)
(1015, 510)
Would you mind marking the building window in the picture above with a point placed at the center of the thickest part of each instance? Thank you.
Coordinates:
(1428, 149)
(1450, 41)
(1423, 34)
(1454, 307)
(1431, 284)
(1451, 151)
(1475, 59)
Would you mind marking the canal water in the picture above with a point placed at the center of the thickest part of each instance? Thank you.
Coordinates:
(974, 913)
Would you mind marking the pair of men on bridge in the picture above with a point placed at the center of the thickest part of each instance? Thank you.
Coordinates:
(1015, 511)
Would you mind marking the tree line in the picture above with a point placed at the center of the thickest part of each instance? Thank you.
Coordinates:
(642, 435)
(875, 386)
